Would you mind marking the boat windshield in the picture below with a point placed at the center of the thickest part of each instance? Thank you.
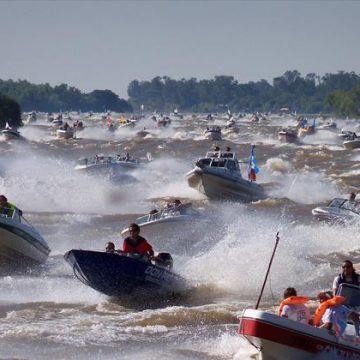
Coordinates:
(13, 214)
(353, 206)
(183, 209)
(336, 202)
(351, 294)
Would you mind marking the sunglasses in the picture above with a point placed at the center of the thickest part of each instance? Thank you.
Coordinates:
(346, 267)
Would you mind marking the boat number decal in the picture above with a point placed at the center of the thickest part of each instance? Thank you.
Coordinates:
(157, 273)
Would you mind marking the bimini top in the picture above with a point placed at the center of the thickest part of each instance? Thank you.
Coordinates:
(219, 159)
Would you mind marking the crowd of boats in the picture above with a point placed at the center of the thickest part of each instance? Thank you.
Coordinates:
(217, 175)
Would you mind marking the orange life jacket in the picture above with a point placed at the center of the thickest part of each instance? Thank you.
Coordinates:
(319, 312)
(293, 300)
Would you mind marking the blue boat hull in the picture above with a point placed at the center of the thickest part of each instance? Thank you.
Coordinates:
(121, 276)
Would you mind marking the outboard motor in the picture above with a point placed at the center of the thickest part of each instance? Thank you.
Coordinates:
(164, 260)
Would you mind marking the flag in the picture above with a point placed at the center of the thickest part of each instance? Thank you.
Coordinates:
(253, 169)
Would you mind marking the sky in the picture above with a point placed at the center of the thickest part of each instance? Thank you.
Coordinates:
(107, 44)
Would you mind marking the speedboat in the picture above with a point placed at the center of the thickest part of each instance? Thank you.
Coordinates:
(309, 130)
(347, 135)
(279, 338)
(30, 118)
(340, 210)
(163, 122)
(10, 133)
(100, 163)
(218, 175)
(213, 133)
(123, 275)
(328, 125)
(288, 135)
(352, 144)
(230, 127)
(20, 244)
(65, 134)
(173, 215)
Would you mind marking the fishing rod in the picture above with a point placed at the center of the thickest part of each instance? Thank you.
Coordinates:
(268, 270)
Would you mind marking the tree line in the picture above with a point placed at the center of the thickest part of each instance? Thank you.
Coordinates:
(332, 93)
(338, 93)
(62, 97)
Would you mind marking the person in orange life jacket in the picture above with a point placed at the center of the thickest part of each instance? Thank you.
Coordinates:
(332, 315)
(293, 306)
(348, 276)
(136, 243)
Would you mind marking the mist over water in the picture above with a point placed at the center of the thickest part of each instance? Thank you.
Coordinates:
(224, 255)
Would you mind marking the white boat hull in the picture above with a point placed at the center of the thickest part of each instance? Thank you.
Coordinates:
(20, 244)
(11, 134)
(213, 135)
(64, 134)
(148, 227)
(278, 338)
(352, 144)
(224, 186)
(285, 136)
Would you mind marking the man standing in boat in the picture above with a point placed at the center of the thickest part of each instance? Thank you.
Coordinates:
(347, 276)
(136, 243)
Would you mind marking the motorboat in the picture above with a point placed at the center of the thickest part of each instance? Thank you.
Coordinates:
(142, 133)
(279, 338)
(30, 118)
(100, 163)
(218, 175)
(20, 244)
(213, 133)
(127, 122)
(352, 144)
(347, 135)
(230, 127)
(65, 133)
(309, 130)
(173, 215)
(163, 122)
(123, 275)
(288, 135)
(328, 125)
(11, 133)
(338, 210)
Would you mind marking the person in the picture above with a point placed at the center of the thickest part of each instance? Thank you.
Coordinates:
(136, 243)
(176, 205)
(347, 276)
(6, 208)
(293, 306)
(332, 315)
(110, 247)
(352, 196)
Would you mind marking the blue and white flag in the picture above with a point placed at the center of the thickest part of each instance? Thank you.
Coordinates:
(253, 169)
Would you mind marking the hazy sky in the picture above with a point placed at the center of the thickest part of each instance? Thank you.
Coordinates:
(107, 44)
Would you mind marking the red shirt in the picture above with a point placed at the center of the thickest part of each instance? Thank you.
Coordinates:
(140, 246)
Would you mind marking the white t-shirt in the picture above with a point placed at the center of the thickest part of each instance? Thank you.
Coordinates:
(296, 312)
(337, 316)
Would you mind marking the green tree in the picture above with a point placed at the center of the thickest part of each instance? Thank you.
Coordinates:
(10, 112)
